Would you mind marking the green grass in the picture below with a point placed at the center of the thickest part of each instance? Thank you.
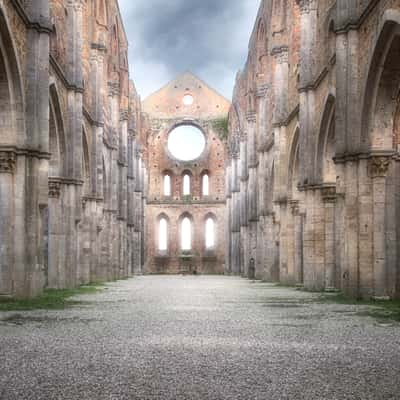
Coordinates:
(379, 309)
(51, 299)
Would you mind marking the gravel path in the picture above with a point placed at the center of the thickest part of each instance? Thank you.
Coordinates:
(176, 338)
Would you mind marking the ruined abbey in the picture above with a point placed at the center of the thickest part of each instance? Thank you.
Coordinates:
(314, 140)
(295, 180)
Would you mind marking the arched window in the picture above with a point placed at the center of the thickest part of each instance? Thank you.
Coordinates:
(186, 185)
(167, 185)
(210, 233)
(205, 185)
(163, 235)
(186, 234)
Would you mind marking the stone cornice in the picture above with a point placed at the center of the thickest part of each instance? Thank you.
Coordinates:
(18, 151)
(348, 157)
(60, 73)
(43, 25)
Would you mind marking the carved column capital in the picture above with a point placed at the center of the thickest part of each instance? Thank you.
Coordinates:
(251, 117)
(113, 89)
(7, 162)
(124, 115)
(262, 91)
(378, 166)
(306, 5)
(295, 207)
(281, 54)
(329, 194)
(54, 189)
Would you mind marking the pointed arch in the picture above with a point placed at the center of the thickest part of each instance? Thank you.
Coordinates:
(12, 130)
(382, 87)
(293, 171)
(187, 183)
(57, 143)
(325, 147)
(186, 232)
(101, 12)
(210, 232)
(162, 229)
(85, 162)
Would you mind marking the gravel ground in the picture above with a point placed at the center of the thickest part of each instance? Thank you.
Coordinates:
(198, 338)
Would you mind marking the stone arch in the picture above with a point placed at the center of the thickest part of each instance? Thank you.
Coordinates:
(261, 48)
(187, 179)
(105, 181)
(293, 172)
(205, 182)
(207, 218)
(168, 173)
(11, 93)
(163, 247)
(101, 12)
(325, 146)
(186, 232)
(86, 170)
(57, 144)
(382, 89)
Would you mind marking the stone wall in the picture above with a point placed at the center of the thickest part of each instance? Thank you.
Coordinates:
(314, 148)
(71, 170)
(165, 111)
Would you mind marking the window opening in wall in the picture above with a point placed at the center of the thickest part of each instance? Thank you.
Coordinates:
(167, 185)
(186, 185)
(206, 185)
(163, 235)
(188, 100)
(210, 234)
(186, 240)
(186, 142)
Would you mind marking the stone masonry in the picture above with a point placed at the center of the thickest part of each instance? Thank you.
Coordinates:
(314, 141)
(164, 111)
(71, 172)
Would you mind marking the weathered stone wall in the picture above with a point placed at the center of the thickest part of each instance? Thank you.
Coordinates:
(313, 129)
(165, 111)
(71, 175)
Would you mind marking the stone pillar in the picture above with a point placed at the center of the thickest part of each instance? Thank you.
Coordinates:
(329, 199)
(297, 243)
(378, 168)
(7, 167)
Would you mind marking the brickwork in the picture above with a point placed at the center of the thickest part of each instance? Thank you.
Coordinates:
(313, 159)
(165, 111)
(71, 173)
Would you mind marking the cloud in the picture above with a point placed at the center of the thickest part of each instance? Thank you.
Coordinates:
(208, 37)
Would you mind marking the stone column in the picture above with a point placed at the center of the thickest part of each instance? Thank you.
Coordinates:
(55, 229)
(7, 167)
(329, 199)
(378, 169)
(252, 190)
(297, 243)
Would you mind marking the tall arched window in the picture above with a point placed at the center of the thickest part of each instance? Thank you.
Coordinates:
(163, 235)
(205, 185)
(186, 234)
(210, 233)
(167, 185)
(186, 185)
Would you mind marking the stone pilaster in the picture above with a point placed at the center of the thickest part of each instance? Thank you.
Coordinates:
(378, 168)
(7, 169)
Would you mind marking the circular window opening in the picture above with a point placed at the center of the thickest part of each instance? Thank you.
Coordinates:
(186, 142)
(188, 100)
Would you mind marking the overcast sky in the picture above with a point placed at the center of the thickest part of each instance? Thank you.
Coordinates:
(167, 37)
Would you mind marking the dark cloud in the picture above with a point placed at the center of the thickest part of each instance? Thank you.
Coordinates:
(207, 37)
